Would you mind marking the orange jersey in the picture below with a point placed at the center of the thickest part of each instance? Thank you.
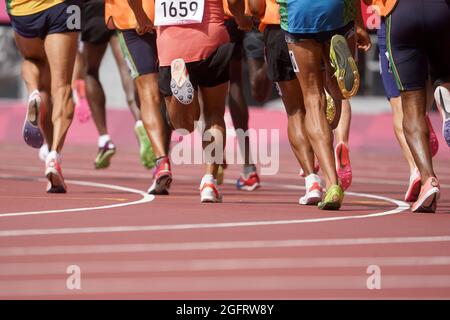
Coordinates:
(271, 15)
(119, 15)
(228, 13)
(385, 6)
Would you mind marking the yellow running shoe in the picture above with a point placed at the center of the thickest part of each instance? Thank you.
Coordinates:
(346, 70)
(333, 198)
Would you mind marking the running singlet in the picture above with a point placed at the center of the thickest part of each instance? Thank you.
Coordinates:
(306, 16)
(118, 14)
(271, 15)
(29, 7)
(385, 6)
(193, 42)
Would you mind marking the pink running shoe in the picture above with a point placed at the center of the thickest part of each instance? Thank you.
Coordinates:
(428, 198)
(434, 142)
(414, 187)
(343, 167)
(82, 110)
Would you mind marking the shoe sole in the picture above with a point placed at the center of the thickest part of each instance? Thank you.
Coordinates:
(347, 70)
(162, 186)
(442, 97)
(180, 85)
(330, 206)
(312, 198)
(146, 153)
(413, 192)
(31, 132)
(55, 181)
(429, 202)
(105, 161)
(343, 167)
(211, 200)
(249, 188)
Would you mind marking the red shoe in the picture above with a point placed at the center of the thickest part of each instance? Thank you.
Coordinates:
(434, 142)
(82, 109)
(343, 167)
(429, 196)
(250, 183)
(414, 187)
(162, 178)
(54, 175)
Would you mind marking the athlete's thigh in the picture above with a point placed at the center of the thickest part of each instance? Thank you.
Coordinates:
(61, 50)
(30, 48)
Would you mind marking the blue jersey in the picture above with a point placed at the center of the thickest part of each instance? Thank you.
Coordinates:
(314, 16)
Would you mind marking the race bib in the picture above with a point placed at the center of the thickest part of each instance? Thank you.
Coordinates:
(176, 12)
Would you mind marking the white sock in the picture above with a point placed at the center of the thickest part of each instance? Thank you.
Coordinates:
(208, 178)
(54, 155)
(139, 124)
(311, 179)
(103, 140)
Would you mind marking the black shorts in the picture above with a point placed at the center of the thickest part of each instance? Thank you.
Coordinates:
(94, 28)
(419, 44)
(211, 72)
(52, 20)
(249, 42)
(279, 65)
(321, 37)
(140, 52)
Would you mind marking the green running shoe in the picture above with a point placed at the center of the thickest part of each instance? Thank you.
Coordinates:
(148, 158)
(346, 70)
(333, 198)
(104, 155)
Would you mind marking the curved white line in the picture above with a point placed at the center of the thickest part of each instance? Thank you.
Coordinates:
(145, 198)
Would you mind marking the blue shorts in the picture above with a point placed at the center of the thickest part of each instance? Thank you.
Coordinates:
(52, 20)
(140, 52)
(390, 86)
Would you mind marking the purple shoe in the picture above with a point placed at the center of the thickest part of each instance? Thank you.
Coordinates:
(32, 134)
(442, 97)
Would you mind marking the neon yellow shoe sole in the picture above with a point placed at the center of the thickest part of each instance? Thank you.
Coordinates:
(333, 199)
(346, 70)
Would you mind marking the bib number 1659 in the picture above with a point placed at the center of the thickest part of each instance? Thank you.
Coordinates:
(174, 12)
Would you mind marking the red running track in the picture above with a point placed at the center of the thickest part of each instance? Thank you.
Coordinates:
(260, 245)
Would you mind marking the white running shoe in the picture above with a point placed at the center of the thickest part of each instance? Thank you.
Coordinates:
(442, 97)
(314, 191)
(180, 85)
(54, 175)
(209, 192)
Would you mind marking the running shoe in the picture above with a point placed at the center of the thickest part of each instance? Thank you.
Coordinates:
(54, 175)
(442, 97)
(43, 152)
(162, 178)
(148, 158)
(346, 70)
(343, 167)
(316, 170)
(434, 142)
(209, 192)
(82, 110)
(32, 134)
(333, 198)
(104, 155)
(429, 196)
(180, 85)
(251, 182)
(314, 191)
(414, 187)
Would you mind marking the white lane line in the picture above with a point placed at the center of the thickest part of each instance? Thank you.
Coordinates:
(164, 266)
(238, 284)
(204, 246)
(145, 198)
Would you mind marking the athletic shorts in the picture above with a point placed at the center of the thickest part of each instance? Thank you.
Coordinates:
(93, 28)
(390, 87)
(140, 52)
(279, 65)
(52, 20)
(208, 73)
(321, 37)
(419, 44)
(251, 43)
